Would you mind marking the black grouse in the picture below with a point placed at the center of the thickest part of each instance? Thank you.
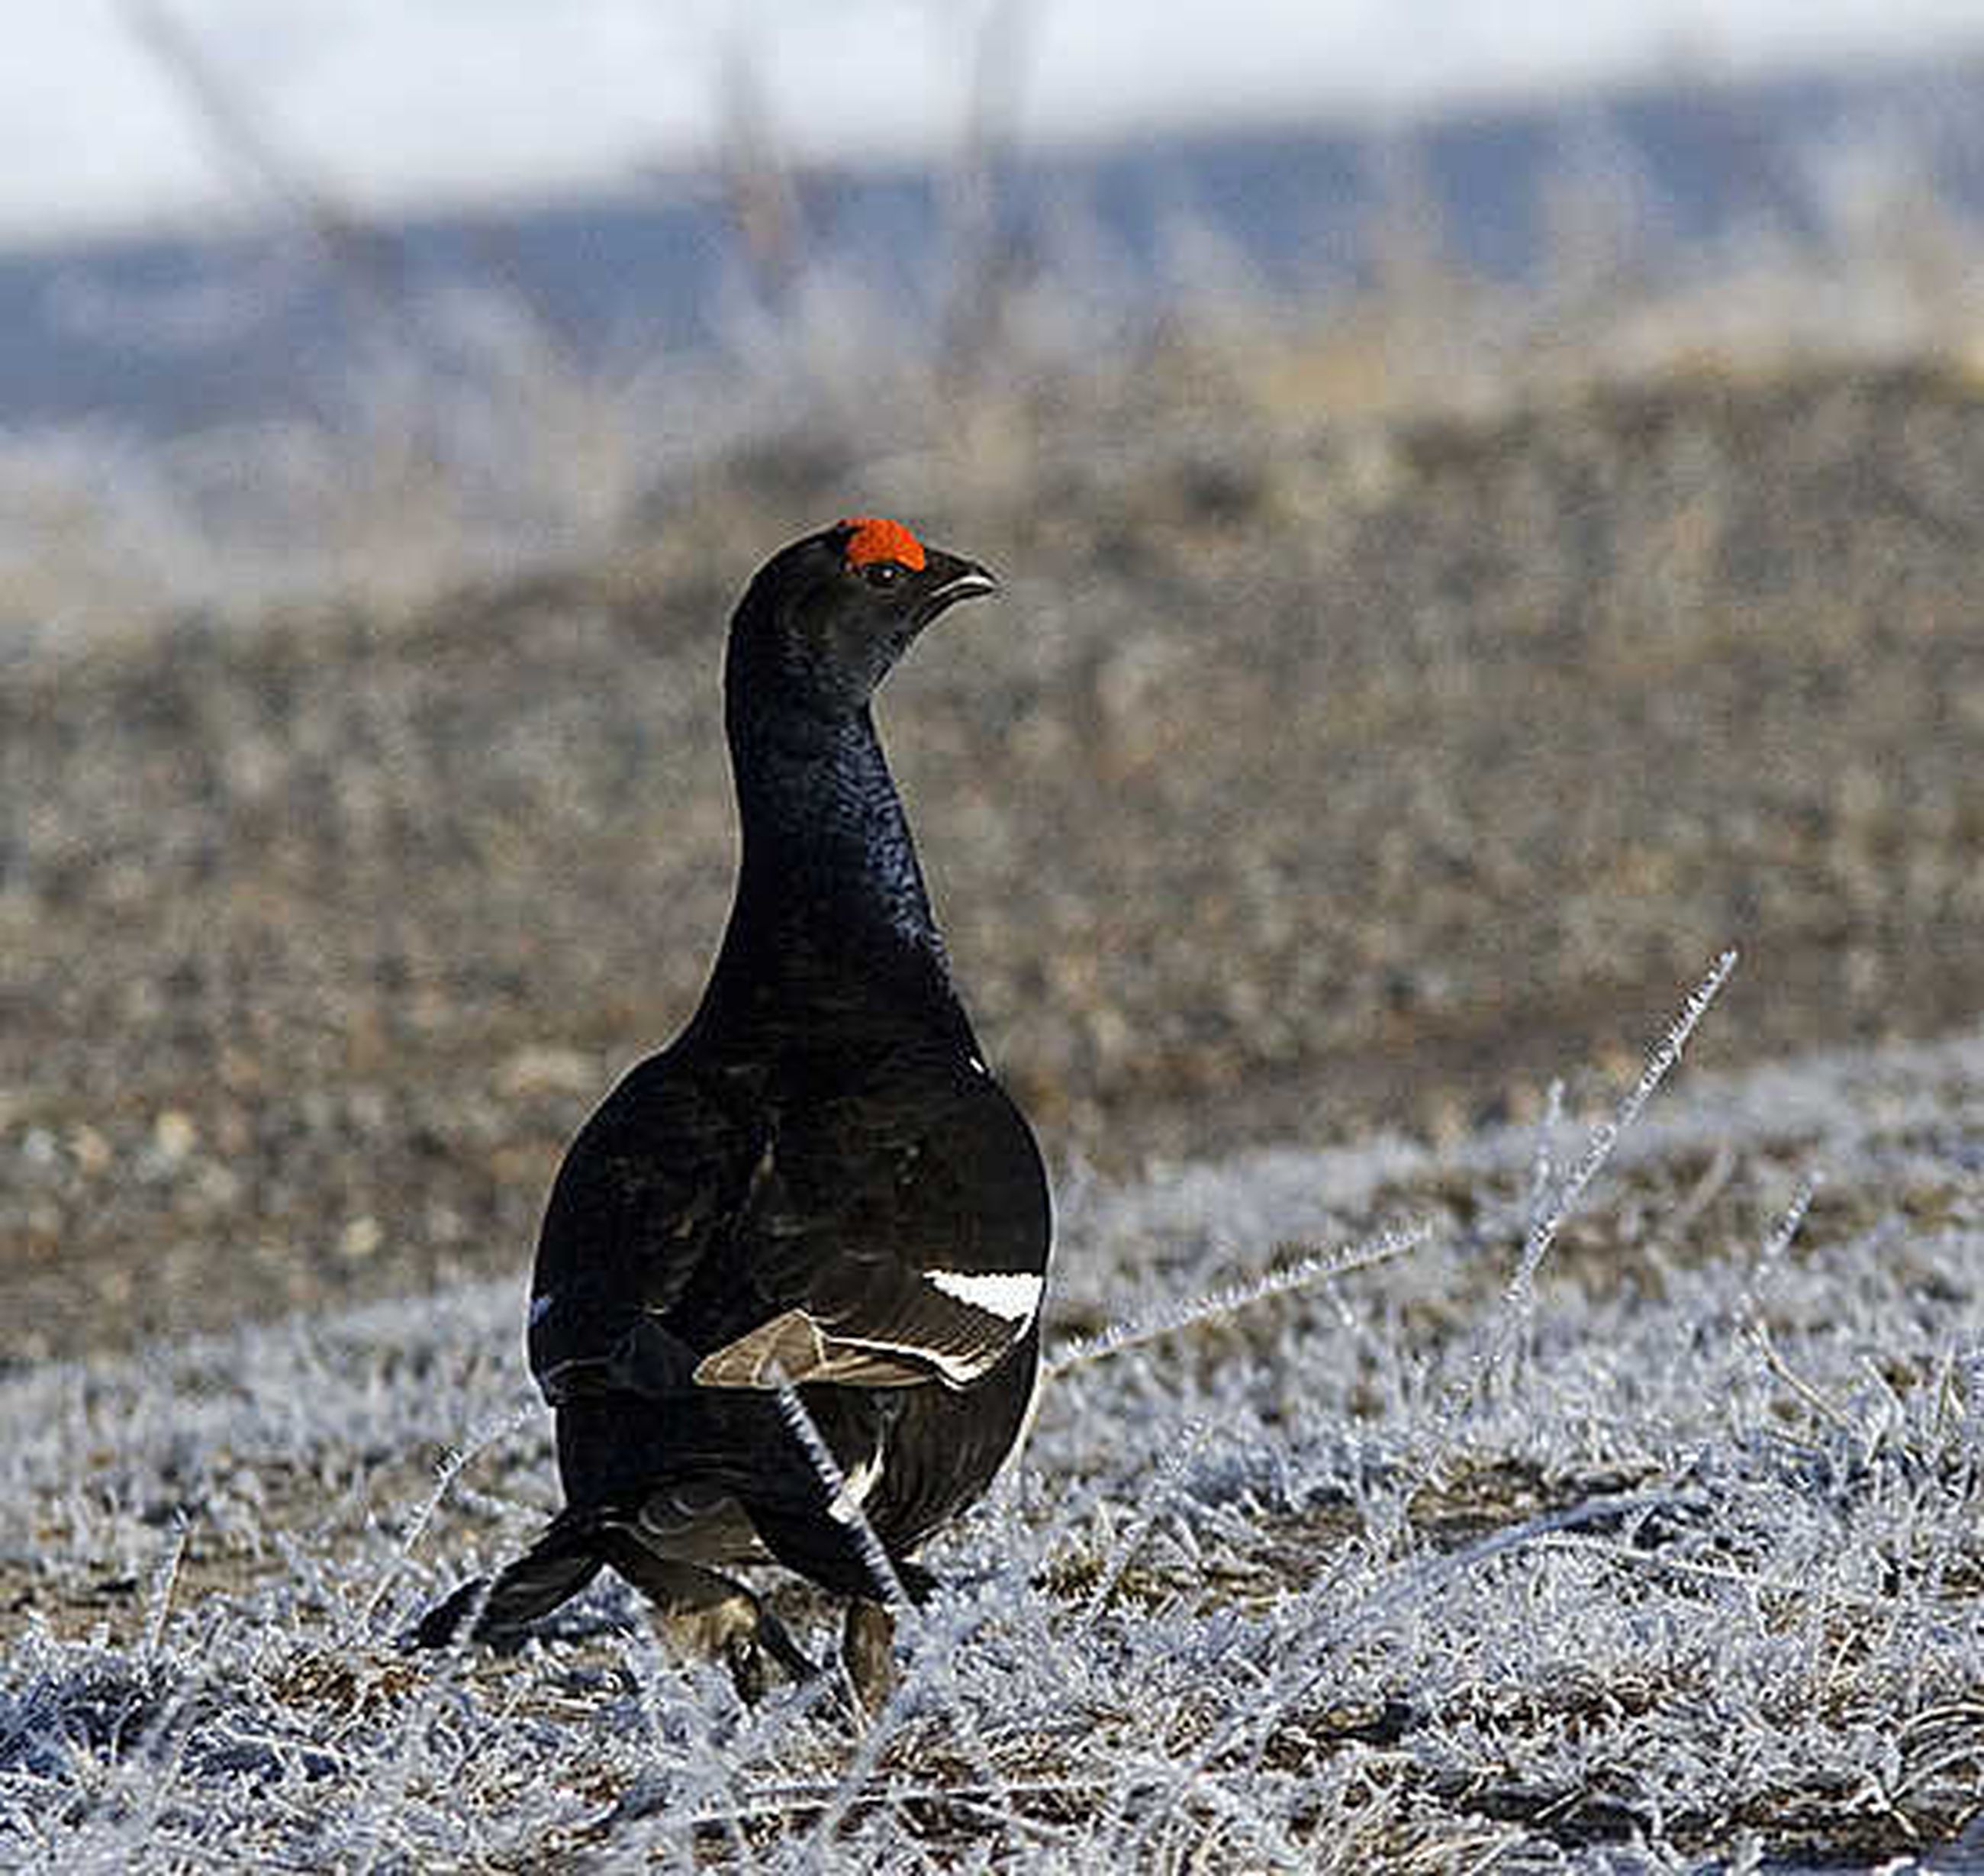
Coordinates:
(818, 1185)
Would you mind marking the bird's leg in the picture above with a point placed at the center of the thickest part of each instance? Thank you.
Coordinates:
(706, 1612)
(868, 1653)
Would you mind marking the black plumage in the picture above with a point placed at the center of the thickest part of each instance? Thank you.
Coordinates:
(819, 1184)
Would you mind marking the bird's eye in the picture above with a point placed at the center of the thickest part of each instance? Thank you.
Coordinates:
(881, 572)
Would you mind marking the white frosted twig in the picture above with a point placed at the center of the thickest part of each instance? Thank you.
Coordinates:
(456, 1460)
(775, 1801)
(1547, 1219)
(1225, 1300)
(1750, 1304)
(1969, 1361)
(1771, 1253)
(881, 1567)
(930, 1657)
(165, 1580)
(1605, 1136)
(1543, 1165)
(1176, 1457)
(452, 1463)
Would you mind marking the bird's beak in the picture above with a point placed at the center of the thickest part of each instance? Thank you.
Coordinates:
(949, 578)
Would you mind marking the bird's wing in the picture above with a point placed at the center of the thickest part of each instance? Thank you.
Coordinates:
(650, 1193)
(895, 1237)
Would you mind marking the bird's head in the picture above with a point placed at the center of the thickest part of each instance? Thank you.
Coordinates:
(823, 621)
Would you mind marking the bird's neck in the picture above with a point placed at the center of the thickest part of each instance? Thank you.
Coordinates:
(829, 888)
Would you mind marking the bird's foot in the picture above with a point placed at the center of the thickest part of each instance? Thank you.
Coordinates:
(706, 1613)
(868, 1654)
(752, 1643)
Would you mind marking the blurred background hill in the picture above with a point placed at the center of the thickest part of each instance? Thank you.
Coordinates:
(291, 295)
(1488, 499)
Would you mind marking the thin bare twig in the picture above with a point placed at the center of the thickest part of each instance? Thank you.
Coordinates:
(1318, 1267)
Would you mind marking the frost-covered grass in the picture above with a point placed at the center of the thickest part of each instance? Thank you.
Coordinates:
(1667, 1553)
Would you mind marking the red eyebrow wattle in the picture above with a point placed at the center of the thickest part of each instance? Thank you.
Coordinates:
(875, 537)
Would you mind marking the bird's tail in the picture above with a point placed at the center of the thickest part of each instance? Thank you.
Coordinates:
(560, 1564)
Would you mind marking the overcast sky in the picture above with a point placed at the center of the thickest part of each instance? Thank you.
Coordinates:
(394, 102)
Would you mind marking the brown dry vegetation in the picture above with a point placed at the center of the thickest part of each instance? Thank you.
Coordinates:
(1311, 779)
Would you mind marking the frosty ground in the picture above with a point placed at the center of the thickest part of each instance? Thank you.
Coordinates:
(1670, 1559)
